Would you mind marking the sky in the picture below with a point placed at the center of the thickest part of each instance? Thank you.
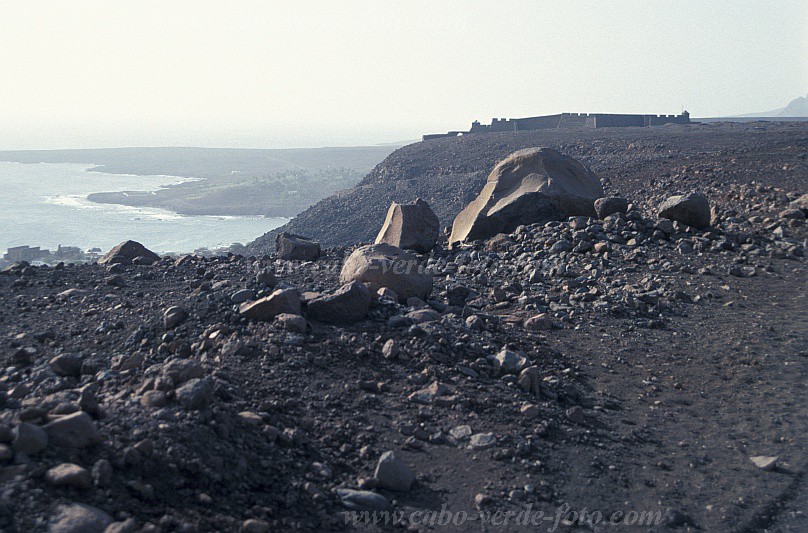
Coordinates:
(269, 74)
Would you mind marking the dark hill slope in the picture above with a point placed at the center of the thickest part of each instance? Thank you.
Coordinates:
(639, 162)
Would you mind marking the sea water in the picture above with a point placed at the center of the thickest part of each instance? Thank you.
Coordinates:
(45, 204)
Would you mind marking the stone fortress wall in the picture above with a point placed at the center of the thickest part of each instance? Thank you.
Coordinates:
(568, 121)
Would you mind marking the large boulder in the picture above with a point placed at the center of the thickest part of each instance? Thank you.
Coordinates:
(690, 209)
(410, 226)
(530, 186)
(126, 252)
(383, 265)
(267, 308)
(350, 303)
(296, 248)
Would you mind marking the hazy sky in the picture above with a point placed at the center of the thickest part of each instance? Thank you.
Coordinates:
(277, 74)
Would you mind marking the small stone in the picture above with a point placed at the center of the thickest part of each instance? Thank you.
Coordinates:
(348, 304)
(69, 475)
(67, 364)
(244, 295)
(173, 317)
(421, 316)
(540, 322)
(509, 362)
(530, 410)
(765, 462)
(481, 441)
(460, 432)
(386, 293)
(127, 526)
(293, 323)
(196, 394)
(296, 248)
(255, 526)
(79, 518)
(363, 500)
(102, 473)
(6, 453)
(575, 415)
(267, 308)
(390, 349)
(482, 500)
(75, 430)
(393, 474)
(29, 439)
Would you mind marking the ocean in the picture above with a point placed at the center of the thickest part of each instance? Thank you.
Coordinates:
(45, 204)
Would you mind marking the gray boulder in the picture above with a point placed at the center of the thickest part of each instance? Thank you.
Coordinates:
(126, 252)
(411, 226)
(296, 248)
(610, 205)
(530, 186)
(350, 303)
(690, 209)
(383, 265)
(267, 308)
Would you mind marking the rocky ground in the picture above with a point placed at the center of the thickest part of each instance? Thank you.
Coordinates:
(620, 365)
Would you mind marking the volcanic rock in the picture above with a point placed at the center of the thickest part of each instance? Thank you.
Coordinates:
(296, 248)
(79, 518)
(801, 203)
(610, 205)
(126, 252)
(196, 394)
(267, 308)
(67, 364)
(383, 265)
(76, 430)
(348, 304)
(69, 475)
(363, 500)
(29, 439)
(530, 186)
(412, 226)
(690, 209)
(393, 474)
(173, 316)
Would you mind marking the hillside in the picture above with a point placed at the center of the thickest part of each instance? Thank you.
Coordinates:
(449, 172)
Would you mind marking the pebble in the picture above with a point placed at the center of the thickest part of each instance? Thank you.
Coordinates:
(765, 462)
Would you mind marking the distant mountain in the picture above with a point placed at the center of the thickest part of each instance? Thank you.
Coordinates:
(796, 108)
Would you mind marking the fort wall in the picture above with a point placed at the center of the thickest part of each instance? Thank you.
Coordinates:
(567, 121)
